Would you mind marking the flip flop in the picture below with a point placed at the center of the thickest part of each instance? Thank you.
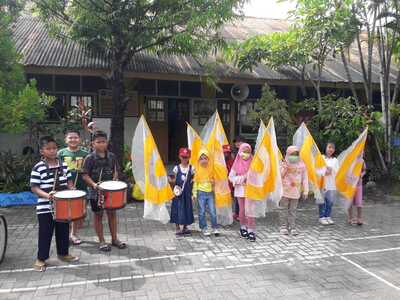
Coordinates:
(75, 241)
(104, 247)
(118, 244)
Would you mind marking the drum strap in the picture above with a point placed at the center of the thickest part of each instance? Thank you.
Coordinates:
(100, 195)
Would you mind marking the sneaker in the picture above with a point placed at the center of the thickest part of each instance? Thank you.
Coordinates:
(39, 265)
(205, 232)
(330, 221)
(251, 237)
(294, 232)
(323, 221)
(243, 233)
(68, 258)
(284, 231)
(216, 232)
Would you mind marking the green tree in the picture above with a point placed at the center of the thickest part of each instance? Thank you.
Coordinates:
(319, 28)
(20, 103)
(271, 106)
(120, 29)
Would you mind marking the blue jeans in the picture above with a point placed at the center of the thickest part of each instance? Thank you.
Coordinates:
(206, 199)
(325, 209)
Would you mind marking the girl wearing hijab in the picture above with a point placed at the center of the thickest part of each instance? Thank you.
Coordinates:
(203, 192)
(295, 184)
(237, 176)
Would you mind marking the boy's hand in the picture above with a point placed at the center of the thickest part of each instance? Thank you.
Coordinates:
(51, 195)
(194, 198)
(304, 196)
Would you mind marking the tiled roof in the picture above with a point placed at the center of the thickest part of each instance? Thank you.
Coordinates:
(38, 49)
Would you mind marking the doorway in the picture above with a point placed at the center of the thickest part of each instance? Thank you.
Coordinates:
(178, 115)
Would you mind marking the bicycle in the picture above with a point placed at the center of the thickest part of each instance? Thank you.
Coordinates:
(3, 237)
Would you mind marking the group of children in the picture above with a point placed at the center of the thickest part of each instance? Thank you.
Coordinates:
(75, 168)
(72, 168)
(197, 186)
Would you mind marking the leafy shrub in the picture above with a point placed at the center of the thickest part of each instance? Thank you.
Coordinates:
(15, 171)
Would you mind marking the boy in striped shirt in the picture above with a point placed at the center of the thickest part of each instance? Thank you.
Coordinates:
(47, 177)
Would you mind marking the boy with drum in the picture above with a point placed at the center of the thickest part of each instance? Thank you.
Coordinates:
(47, 177)
(101, 165)
(73, 155)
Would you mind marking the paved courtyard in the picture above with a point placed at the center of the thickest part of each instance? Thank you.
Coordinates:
(334, 262)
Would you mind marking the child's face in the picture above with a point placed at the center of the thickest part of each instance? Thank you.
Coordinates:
(330, 150)
(293, 157)
(245, 154)
(100, 144)
(237, 144)
(49, 151)
(184, 159)
(72, 139)
(203, 161)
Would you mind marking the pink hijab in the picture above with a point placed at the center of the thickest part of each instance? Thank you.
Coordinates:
(241, 166)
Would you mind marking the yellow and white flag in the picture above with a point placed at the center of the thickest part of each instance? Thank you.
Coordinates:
(264, 180)
(350, 168)
(213, 137)
(150, 174)
(194, 144)
(312, 158)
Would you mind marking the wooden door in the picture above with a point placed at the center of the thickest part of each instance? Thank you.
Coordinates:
(157, 118)
(178, 115)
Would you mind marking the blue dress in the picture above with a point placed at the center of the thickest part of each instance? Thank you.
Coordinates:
(182, 207)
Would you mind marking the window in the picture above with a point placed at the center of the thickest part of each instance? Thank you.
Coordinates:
(43, 82)
(57, 110)
(155, 110)
(91, 84)
(224, 110)
(203, 108)
(88, 101)
(190, 89)
(225, 91)
(247, 125)
(168, 88)
(65, 83)
(147, 87)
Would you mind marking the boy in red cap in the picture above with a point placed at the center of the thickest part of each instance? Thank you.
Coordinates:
(182, 207)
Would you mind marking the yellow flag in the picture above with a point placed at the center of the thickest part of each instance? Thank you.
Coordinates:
(264, 179)
(350, 168)
(214, 137)
(150, 174)
(194, 144)
(312, 158)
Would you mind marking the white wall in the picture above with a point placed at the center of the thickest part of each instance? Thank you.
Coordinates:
(130, 126)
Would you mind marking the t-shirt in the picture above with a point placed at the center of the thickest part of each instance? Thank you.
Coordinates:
(100, 168)
(329, 180)
(42, 176)
(74, 161)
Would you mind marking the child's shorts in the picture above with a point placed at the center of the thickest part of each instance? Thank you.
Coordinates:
(93, 197)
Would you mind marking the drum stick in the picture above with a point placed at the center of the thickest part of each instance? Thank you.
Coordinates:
(76, 179)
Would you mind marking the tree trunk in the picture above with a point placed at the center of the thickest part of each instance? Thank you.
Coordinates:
(350, 80)
(118, 112)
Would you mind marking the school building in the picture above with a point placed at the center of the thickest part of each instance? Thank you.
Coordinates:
(169, 90)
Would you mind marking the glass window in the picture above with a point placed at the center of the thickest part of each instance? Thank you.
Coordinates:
(66, 83)
(168, 88)
(156, 110)
(204, 108)
(246, 123)
(57, 110)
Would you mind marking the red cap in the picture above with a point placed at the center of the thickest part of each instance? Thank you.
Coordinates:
(226, 148)
(184, 152)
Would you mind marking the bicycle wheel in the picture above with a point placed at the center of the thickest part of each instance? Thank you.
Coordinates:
(3, 237)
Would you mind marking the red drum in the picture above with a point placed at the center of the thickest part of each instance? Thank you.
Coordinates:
(114, 194)
(69, 205)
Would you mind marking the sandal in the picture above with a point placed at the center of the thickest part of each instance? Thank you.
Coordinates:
(75, 240)
(118, 244)
(104, 247)
(39, 266)
(360, 222)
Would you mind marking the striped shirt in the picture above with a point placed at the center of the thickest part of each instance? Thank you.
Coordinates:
(43, 177)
